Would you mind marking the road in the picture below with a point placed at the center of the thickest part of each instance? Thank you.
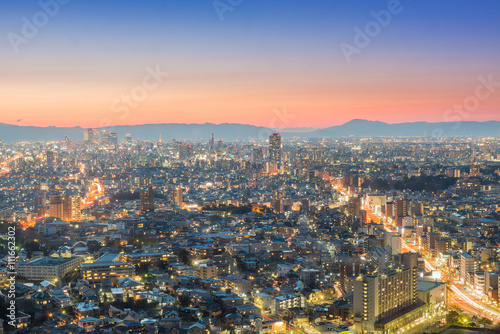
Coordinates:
(4, 166)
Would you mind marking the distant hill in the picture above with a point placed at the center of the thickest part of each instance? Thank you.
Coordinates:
(364, 128)
(226, 131)
(16, 133)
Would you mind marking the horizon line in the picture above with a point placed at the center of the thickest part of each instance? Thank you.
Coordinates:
(290, 129)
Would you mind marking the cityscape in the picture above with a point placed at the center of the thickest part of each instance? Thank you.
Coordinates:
(249, 167)
(278, 235)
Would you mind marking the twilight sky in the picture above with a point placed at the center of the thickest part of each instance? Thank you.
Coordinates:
(275, 63)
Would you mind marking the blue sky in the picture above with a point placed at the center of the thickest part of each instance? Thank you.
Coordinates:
(264, 54)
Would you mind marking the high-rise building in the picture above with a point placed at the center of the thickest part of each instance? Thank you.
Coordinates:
(91, 136)
(257, 154)
(128, 138)
(211, 144)
(113, 138)
(147, 200)
(39, 199)
(389, 209)
(417, 209)
(393, 243)
(430, 244)
(185, 151)
(275, 148)
(104, 136)
(382, 296)
(401, 210)
(468, 264)
(354, 205)
(56, 206)
(176, 196)
(72, 208)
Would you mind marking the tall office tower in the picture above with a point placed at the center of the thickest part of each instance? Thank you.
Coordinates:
(72, 208)
(91, 136)
(56, 206)
(275, 148)
(104, 136)
(147, 200)
(257, 154)
(176, 196)
(128, 138)
(384, 295)
(113, 138)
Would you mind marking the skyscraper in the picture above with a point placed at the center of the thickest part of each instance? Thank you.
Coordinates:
(257, 154)
(113, 138)
(91, 136)
(147, 200)
(104, 136)
(211, 144)
(275, 148)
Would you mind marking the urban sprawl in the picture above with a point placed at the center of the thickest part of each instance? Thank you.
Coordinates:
(114, 234)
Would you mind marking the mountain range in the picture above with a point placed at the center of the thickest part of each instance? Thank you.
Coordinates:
(227, 131)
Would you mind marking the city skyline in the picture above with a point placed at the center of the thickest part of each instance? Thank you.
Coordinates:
(250, 166)
(239, 63)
